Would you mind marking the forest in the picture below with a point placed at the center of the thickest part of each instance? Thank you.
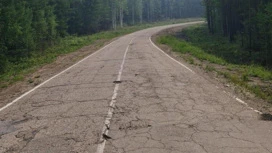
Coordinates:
(248, 22)
(31, 26)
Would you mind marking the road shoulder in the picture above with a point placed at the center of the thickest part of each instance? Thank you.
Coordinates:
(222, 83)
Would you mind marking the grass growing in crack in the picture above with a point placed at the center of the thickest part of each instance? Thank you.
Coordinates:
(216, 50)
(17, 71)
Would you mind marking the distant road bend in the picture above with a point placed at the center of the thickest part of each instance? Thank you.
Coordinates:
(130, 97)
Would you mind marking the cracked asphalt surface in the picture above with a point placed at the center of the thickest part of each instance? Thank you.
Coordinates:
(161, 107)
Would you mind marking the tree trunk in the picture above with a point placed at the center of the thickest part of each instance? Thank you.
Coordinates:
(121, 17)
(133, 14)
(113, 16)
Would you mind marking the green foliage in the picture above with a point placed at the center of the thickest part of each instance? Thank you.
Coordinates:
(258, 71)
(216, 45)
(232, 53)
(185, 47)
(3, 63)
(245, 77)
(62, 10)
(30, 27)
(248, 22)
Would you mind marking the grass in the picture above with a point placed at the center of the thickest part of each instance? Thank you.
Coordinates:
(17, 71)
(216, 50)
(184, 47)
(209, 68)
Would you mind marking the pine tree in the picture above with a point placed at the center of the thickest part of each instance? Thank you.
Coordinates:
(62, 11)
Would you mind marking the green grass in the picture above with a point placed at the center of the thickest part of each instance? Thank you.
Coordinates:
(17, 71)
(216, 50)
(184, 47)
(215, 45)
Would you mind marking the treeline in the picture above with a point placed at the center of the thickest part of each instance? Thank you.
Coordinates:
(246, 21)
(28, 26)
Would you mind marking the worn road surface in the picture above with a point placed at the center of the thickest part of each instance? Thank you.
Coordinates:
(129, 97)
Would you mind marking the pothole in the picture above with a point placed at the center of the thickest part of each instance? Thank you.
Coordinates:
(266, 117)
(134, 125)
(117, 82)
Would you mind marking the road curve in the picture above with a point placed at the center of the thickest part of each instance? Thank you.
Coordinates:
(129, 97)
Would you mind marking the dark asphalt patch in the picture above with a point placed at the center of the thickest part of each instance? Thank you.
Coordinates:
(6, 127)
(117, 82)
(266, 117)
(106, 137)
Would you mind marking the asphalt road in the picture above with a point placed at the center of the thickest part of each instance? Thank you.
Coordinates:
(129, 97)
